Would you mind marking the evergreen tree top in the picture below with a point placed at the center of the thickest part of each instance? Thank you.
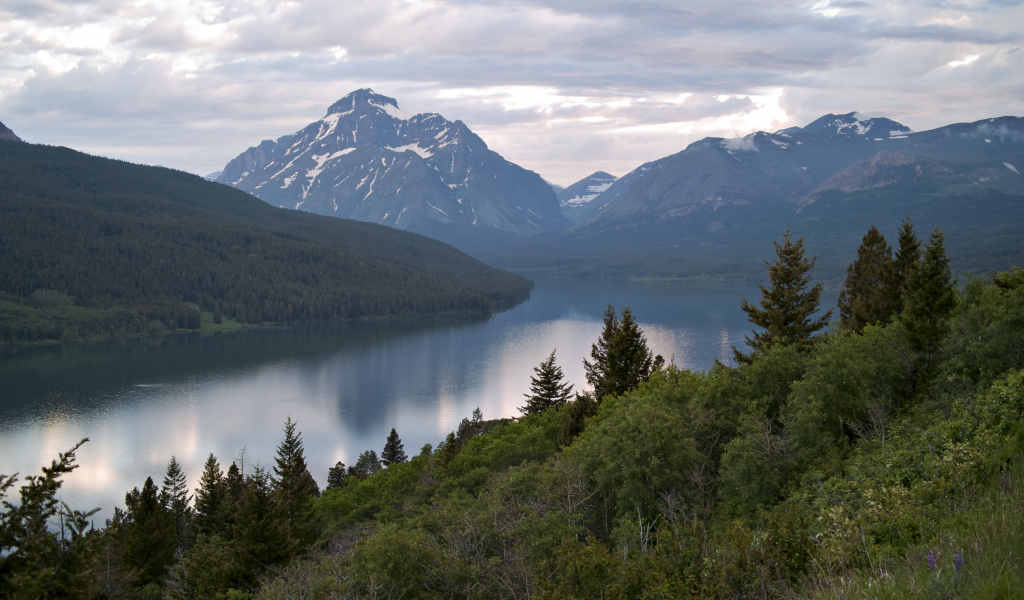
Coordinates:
(787, 306)
(546, 387)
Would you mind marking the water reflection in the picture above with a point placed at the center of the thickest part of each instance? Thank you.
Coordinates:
(142, 400)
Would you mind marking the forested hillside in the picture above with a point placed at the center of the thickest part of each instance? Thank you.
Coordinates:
(94, 246)
(879, 454)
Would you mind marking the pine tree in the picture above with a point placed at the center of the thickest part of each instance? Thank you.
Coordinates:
(621, 357)
(902, 268)
(367, 464)
(394, 451)
(336, 476)
(786, 307)
(265, 536)
(597, 371)
(37, 561)
(546, 388)
(149, 540)
(210, 499)
(865, 298)
(929, 300)
(175, 498)
(294, 487)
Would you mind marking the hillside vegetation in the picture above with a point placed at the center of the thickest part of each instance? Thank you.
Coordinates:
(878, 457)
(124, 248)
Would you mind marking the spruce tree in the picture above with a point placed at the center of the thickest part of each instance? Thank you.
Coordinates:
(621, 357)
(149, 540)
(787, 306)
(394, 451)
(546, 388)
(294, 487)
(210, 499)
(928, 301)
(175, 498)
(865, 298)
(903, 265)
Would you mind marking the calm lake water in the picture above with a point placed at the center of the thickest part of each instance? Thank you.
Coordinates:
(142, 400)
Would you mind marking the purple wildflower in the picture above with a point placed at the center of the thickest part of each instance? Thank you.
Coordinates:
(931, 561)
(959, 563)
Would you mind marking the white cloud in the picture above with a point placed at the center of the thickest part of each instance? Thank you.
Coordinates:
(563, 87)
(964, 62)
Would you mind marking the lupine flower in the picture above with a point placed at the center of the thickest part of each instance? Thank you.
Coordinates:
(959, 563)
(931, 561)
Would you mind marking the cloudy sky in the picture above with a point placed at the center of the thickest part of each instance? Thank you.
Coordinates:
(562, 87)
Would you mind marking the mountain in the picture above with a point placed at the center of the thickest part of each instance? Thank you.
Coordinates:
(7, 134)
(368, 160)
(716, 206)
(577, 199)
(109, 235)
(212, 176)
(619, 187)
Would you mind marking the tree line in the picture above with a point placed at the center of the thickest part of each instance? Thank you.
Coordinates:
(160, 243)
(877, 455)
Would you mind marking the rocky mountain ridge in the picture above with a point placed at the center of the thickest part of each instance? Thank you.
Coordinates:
(368, 160)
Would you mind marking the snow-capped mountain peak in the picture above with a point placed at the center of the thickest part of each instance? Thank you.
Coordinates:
(369, 160)
(855, 124)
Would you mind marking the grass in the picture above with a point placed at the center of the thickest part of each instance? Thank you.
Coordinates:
(990, 539)
(227, 323)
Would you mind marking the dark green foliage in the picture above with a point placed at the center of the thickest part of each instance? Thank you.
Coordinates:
(175, 498)
(808, 471)
(928, 301)
(903, 265)
(294, 488)
(987, 328)
(621, 358)
(262, 533)
(36, 562)
(787, 306)
(210, 499)
(865, 298)
(147, 241)
(546, 387)
(336, 475)
(149, 536)
(394, 450)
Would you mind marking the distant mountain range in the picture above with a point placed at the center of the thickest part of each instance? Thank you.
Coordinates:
(716, 206)
(368, 160)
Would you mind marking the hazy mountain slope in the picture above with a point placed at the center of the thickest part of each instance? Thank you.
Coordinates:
(577, 200)
(719, 203)
(110, 233)
(368, 160)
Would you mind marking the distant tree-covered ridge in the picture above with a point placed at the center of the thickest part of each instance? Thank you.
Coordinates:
(165, 245)
(885, 461)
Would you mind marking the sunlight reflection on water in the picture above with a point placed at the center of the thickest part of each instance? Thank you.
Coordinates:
(142, 400)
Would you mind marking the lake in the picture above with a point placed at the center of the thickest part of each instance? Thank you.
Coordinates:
(142, 400)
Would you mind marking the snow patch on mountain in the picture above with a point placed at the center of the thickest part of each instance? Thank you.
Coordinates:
(413, 147)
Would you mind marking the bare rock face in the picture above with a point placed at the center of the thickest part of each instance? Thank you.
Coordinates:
(7, 134)
(368, 160)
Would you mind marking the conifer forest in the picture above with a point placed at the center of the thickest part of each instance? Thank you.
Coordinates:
(874, 451)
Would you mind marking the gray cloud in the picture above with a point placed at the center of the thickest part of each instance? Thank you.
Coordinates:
(564, 87)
